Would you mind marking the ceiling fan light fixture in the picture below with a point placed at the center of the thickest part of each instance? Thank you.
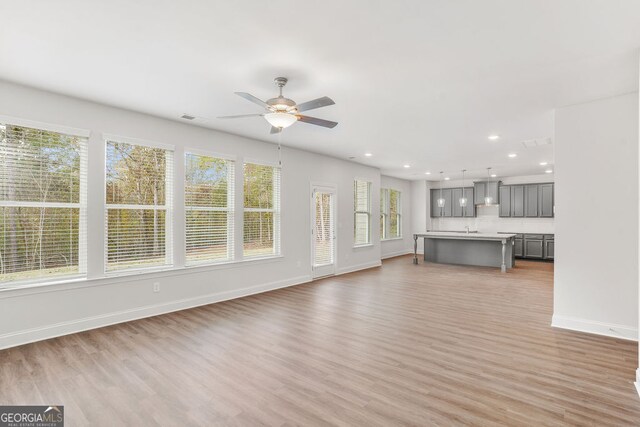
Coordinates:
(280, 120)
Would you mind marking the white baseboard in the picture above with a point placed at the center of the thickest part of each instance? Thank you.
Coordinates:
(358, 267)
(637, 383)
(594, 327)
(65, 328)
(397, 253)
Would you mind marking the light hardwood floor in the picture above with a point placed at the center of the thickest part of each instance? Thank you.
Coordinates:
(397, 345)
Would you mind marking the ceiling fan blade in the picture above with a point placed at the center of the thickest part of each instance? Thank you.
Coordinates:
(240, 116)
(316, 121)
(275, 130)
(316, 103)
(253, 99)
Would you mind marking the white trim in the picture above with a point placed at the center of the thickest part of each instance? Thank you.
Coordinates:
(595, 327)
(397, 253)
(207, 153)
(51, 205)
(391, 239)
(637, 383)
(261, 162)
(67, 130)
(64, 328)
(358, 267)
(136, 141)
(137, 207)
(150, 273)
(364, 245)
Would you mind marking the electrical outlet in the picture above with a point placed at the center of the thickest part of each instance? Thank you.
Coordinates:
(156, 287)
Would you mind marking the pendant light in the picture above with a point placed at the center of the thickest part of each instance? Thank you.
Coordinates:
(463, 200)
(441, 200)
(488, 200)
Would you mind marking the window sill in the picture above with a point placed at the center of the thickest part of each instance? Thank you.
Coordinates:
(392, 239)
(366, 245)
(72, 283)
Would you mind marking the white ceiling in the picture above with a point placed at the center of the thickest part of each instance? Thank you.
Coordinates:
(421, 82)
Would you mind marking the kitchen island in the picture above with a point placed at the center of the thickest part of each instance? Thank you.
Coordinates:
(467, 248)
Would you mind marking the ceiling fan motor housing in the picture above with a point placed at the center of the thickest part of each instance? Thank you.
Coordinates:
(281, 103)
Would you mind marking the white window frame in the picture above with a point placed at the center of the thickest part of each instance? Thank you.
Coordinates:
(81, 205)
(230, 209)
(367, 212)
(385, 213)
(277, 214)
(167, 208)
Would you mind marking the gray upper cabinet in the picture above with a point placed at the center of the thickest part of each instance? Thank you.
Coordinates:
(531, 201)
(457, 195)
(478, 192)
(517, 201)
(505, 201)
(545, 196)
(435, 209)
(527, 200)
(447, 211)
(491, 190)
(470, 209)
(452, 206)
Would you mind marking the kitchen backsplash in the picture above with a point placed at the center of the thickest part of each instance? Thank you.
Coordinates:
(487, 220)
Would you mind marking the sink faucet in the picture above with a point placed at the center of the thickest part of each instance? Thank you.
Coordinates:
(466, 227)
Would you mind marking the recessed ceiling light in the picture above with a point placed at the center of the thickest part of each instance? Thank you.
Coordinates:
(512, 155)
(427, 173)
(494, 137)
(447, 178)
(493, 175)
(368, 154)
(543, 163)
(407, 166)
(548, 171)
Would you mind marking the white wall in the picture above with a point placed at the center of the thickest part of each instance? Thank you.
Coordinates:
(420, 208)
(401, 246)
(487, 217)
(596, 259)
(39, 312)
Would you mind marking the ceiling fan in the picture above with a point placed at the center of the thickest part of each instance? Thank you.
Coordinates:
(282, 112)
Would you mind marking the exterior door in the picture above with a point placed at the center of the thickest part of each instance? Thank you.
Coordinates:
(323, 235)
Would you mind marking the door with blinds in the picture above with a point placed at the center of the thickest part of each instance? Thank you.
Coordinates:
(323, 236)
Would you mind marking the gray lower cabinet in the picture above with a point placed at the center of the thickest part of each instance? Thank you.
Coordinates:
(533, 248)
(531, 200)
(505, 201)
(549, 246)
(517, 201)
(518, 248)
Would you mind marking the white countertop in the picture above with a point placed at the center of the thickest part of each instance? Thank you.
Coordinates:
(464, 236)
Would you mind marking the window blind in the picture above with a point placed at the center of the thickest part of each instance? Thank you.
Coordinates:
(395, 214)
(209, 201)
(138, 206)
(43, 204)
(261, 228)
(362, 212)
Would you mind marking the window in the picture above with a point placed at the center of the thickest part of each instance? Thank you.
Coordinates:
(390, 214)
(138, 205)
(384, 212)
(43, 176)
(261, 228)
(395, 214)
(362, 212)
(209, 190)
